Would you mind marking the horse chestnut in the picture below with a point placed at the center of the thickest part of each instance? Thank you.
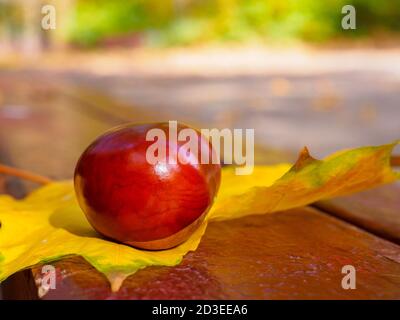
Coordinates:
(146, 204)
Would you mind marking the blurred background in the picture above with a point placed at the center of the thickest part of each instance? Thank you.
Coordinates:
(93, 23)
(284, 67)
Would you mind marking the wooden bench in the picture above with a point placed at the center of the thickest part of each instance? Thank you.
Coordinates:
(296, 254)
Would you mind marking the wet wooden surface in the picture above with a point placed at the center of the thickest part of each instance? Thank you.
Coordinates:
(376, 210)
(258, 257)
(296, 254)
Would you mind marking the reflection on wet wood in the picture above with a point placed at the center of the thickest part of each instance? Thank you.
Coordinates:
(376, 210)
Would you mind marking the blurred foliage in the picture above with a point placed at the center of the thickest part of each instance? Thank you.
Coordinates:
(180, 22)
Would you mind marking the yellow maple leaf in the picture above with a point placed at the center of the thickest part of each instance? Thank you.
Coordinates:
(48, 224)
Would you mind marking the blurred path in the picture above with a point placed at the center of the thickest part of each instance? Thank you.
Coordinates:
(326, 100)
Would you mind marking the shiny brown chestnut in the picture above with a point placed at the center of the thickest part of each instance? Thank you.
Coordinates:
(146, 204)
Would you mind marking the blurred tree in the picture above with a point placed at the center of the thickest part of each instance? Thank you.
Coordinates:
(21, 27)
(180, 22)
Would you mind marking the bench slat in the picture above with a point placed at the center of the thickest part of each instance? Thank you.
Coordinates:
(376, 210)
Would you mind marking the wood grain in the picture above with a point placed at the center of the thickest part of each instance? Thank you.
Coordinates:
(376, 210)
